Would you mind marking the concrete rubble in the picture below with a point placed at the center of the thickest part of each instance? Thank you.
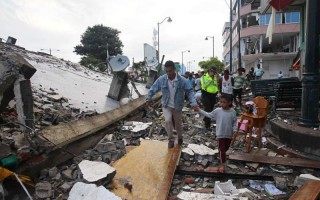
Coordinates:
(93, 171)
(85, 191)
(199, 153)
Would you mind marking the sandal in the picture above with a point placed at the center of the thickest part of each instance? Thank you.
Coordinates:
(221, 170)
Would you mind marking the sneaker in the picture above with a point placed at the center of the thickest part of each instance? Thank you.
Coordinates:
(180, 141)
(170, 144)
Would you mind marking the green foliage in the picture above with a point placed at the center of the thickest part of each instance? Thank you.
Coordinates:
(93, 63)
(213, 62)
(139, 66)
(96, 41)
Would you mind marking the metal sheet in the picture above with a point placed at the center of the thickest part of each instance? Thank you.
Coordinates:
(149, 168)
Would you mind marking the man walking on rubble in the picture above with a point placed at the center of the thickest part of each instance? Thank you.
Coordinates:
(173, 87)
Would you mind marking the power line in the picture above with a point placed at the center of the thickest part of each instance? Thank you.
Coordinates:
(227, 3)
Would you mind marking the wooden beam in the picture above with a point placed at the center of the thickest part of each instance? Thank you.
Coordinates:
(67, 133)
(296, 162)
(309, 191)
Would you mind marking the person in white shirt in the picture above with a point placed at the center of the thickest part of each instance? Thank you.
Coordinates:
(258, 72)
(226, 83)
(280, 75)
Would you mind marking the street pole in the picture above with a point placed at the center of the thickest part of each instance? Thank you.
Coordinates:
(310, 78)
(239, 52)
(182, 56)
(158, 43)
(169, 20)
(212, 46)
(230, 38)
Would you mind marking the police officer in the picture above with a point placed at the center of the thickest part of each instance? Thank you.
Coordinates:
(209, 90)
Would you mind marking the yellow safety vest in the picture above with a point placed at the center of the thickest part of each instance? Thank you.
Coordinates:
(209, 84)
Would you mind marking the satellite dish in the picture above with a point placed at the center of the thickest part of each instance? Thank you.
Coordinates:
(119, 63)
(152, 63)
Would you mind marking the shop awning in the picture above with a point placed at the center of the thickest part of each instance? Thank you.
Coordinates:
(296, 61)
(279, 4)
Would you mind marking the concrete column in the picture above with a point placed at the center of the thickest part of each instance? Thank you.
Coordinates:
(119, 86)
(24, 103)
(153, 75)
(310, 78)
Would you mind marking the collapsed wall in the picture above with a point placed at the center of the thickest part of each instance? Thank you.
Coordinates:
(15, 74)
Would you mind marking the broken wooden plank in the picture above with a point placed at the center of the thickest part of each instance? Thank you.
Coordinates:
(309, 191)
(149, 168)
(66, 133)
(276, 160)
(216, 174)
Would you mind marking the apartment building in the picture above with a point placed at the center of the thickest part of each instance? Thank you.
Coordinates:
(249, 37)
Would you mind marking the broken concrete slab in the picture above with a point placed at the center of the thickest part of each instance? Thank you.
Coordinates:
(85, 191)
(226, 188)
(93, 171)
(202, 149)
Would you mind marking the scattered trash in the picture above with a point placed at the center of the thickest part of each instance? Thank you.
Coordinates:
(257, 185)
(136, 126)
(225, 188)
(281, 169)
(272, 190)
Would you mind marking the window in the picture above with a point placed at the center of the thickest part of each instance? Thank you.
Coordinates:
(292, 17)
(264, 19)
(278, 18)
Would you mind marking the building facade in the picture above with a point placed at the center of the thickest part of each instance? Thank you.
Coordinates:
(274, 56)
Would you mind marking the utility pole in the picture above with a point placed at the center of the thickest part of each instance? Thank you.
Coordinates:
(239, 52)
(310, 78)
(230, 38)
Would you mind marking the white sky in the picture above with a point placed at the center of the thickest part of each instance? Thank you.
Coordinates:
(59, 24)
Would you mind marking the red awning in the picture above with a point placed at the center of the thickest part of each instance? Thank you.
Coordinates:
(279, 4)
(296, 64)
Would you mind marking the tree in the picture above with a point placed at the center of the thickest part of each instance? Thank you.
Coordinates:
(213, 62)
(139, 66)
(96, 43)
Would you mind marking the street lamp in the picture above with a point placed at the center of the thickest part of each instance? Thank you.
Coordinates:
(168, 20)
(212, 44)
(50, 50)
(189, 64)
(182, 56)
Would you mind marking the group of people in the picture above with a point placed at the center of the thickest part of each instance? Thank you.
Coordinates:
(175, 88)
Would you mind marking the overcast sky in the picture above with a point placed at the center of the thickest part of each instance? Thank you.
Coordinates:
(59, 24)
